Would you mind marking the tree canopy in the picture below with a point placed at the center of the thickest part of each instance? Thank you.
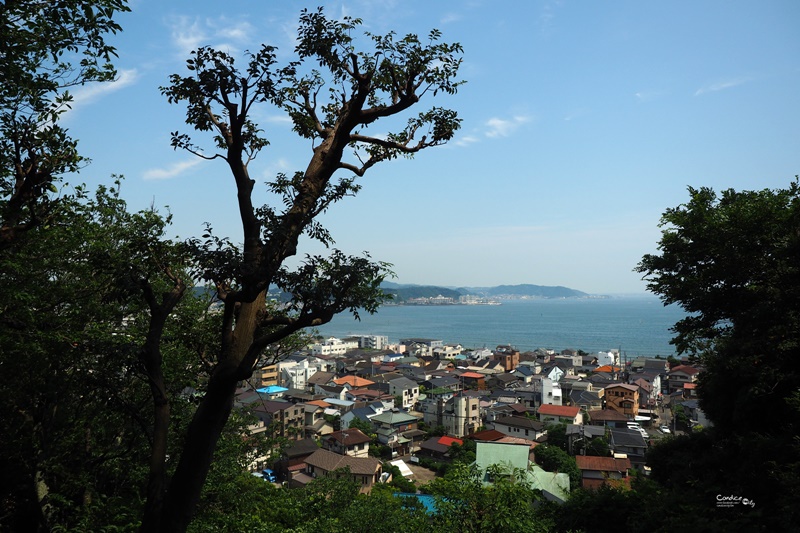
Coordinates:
(335, 107)
(46, 48)
(124, 404)
(732, 261)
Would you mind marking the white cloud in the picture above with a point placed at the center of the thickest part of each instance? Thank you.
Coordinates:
(88, 93)
(648, 96)
(276, 167)
(498, 127)
(171, 171)
(721, 85)
(188, 34)
(466, 140)
(278, 119)
(451, 17)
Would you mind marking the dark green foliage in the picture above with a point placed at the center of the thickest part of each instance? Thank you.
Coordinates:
(119, 385)
(554, 459)
(399, 482)
(557, 436)
(45, 49)
(463, 453)
(465, 504)
(733, 262)
(364, 426)
(72, 324)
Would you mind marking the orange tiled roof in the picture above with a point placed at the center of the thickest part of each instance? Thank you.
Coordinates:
(608, 368)
(602, 464)
(353, 381)
(559, 410)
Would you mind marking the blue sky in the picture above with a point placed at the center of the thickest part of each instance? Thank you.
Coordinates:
(582, 123)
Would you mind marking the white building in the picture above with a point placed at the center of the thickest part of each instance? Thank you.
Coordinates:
(333, 346)
(295, 374)
(608, 358)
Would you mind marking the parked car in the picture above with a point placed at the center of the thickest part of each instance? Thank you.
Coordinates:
(664, 429)
(269, 475)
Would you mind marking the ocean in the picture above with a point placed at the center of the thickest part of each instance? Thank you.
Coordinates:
(636, 325)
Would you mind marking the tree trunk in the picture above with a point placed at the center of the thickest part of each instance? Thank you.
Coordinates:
(204, 430)
(208, 422)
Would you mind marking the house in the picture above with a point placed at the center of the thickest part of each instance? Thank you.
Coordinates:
(645, 364)
(405, 389)
(504, 381)
(331, 391)
(448, 351)
(655, 381)
(353, 382)
(495, 459)
(607, 418)
(366, 471)
(498, 410)
(488, 435)
(599, 471)
(560, 414)
(695, 413)
(629, 442)
(266, 375)
(292, 461)
(553, 373)
(350, 442)
(364, 414)
(577, 435)
(333, 346)
(451, 383)
(681, 375)
(315, 422)
(586, 400)
(507, 356)
(281, 418)
(439, 447)
(320, 378)
(418, 347)
(459, 415)
(647, 398)
(294, 374)
(369, 395)
(550, 390)
(519, 426)
(473, 380)
(390, 427)
(524, 373)
(622, 398)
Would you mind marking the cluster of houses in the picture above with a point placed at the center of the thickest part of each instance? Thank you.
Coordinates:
(501, 398)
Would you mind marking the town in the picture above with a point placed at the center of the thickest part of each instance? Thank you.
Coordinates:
(364, 404)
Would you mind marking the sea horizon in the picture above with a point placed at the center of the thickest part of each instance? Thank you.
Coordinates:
(637, 325)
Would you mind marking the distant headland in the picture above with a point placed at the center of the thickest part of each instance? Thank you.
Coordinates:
(407, 294)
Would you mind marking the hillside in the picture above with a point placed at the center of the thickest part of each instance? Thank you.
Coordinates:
(404, 292)
(534, 291)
